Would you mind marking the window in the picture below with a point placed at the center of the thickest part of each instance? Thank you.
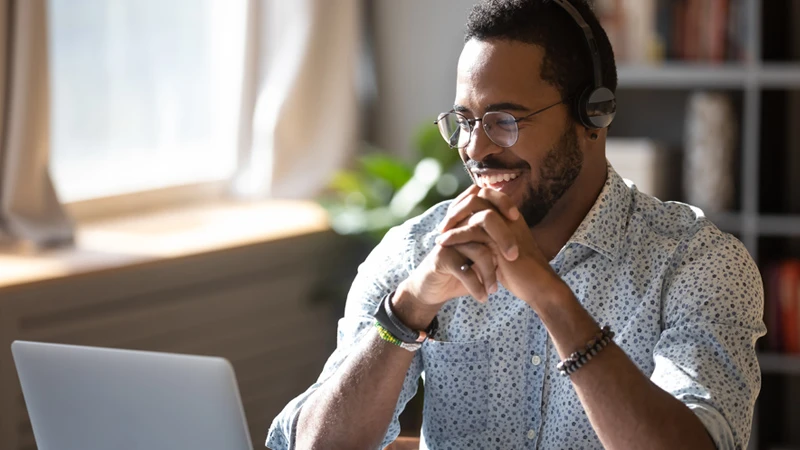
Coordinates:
(145, 93)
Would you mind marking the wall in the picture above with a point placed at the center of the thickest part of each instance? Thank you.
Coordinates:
(417, 44)
(261, 306)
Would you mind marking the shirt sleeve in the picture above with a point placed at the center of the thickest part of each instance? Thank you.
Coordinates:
(712, 315)
(382, 271)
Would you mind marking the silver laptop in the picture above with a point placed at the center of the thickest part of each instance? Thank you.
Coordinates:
(88, 398)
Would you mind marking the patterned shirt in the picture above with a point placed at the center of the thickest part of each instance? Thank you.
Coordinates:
(684, 299)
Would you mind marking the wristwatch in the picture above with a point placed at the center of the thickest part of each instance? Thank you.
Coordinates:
(389, 320)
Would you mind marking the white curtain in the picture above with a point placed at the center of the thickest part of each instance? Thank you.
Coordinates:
(300, 110)
(29, 208)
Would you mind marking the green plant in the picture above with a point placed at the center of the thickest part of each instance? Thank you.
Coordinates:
(384, 191)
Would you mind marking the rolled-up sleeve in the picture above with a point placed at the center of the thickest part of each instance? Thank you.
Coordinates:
(382, 271)
(712, 315)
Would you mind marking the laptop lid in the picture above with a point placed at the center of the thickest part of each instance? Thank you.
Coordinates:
(90, 398)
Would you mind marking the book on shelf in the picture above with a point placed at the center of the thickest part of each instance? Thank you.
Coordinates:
(648, 31)
(782, 306)
(792, 167)
(642, 161)
(711, 137)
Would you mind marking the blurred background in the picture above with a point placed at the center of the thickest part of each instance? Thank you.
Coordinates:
(204, 176)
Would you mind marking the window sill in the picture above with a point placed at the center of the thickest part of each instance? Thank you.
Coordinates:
(115, 243)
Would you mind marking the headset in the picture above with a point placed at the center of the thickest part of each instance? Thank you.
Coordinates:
(596, 105)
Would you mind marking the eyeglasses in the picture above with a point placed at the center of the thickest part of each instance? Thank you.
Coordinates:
(501, 127)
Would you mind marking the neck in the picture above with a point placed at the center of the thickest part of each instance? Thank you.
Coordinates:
(553, 232)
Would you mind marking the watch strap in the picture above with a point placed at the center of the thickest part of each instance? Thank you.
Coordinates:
(385, 315)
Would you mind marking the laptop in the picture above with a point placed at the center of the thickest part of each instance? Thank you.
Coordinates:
(90, 398)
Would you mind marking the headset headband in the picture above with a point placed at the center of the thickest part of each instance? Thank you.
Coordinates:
(590, 41)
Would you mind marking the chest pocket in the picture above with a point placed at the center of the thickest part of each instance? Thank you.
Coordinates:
(456, 389)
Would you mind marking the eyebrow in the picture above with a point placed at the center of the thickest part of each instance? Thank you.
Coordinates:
(504, 106)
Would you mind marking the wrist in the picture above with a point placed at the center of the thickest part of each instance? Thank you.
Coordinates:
(570, 326)
(547, 289)
(412, 312)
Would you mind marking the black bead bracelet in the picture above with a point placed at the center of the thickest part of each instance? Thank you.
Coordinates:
(577, 359)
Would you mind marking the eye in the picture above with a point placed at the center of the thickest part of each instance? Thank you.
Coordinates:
(462, 121)
(505, 122)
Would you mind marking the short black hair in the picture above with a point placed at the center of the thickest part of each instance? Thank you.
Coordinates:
(567, 61)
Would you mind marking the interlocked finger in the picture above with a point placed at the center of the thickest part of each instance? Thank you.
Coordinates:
(474, 265)
(474, 200)
(486, 227)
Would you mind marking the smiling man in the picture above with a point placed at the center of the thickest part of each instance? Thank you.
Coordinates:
(551, 305)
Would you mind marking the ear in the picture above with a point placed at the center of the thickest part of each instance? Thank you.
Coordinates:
(589, 134)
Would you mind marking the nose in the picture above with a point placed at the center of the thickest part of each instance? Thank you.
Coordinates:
(479, 145)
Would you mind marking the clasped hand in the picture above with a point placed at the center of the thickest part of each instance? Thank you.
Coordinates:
(485, 231)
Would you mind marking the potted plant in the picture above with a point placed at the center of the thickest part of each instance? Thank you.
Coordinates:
(384, 190)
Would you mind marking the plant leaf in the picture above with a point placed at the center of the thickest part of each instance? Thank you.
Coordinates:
(431, 145)
(345, 183)
(387, 168)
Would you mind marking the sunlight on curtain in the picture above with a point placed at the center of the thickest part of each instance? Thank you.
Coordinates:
(305, 117)
(146, 93)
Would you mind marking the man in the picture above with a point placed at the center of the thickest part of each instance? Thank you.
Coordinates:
(523, 269)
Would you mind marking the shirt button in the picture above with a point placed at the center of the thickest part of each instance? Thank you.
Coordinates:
(536, 360)
(531, 434)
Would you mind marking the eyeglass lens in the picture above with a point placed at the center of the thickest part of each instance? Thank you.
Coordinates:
(500, 127)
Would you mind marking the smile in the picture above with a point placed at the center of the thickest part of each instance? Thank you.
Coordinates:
(495, 180)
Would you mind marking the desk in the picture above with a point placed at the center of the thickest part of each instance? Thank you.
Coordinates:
(404, 443)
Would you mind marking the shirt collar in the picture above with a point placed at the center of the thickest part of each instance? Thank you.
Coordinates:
(604, 226)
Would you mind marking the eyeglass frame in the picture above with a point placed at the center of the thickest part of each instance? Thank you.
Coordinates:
(471, 123)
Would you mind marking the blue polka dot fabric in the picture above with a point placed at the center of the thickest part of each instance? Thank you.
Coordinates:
(684, 299)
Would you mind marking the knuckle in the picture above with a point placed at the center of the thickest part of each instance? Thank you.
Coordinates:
(487, 193)
(493, 217)
(474, 229)
(482, 251)
(474, 247)
(452, 213)
(443, 256)
(481, 217)
(473, 202)
(487, 214)
(469, 250)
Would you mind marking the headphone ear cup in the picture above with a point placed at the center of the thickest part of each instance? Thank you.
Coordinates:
(580, 108)
(577, 108)
(597, 107)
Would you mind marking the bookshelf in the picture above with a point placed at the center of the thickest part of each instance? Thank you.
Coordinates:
(778, 363)
(683, 75)
(767, 225)
(660, 91)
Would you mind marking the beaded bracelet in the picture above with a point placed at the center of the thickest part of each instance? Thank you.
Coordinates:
(577, 359)
(387, 336)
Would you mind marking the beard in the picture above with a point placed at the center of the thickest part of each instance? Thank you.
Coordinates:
(559, 169)
(557, 173)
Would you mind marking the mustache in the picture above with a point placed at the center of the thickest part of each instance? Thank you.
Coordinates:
(490, 163)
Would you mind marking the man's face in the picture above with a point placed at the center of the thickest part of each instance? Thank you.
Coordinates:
(546, 159)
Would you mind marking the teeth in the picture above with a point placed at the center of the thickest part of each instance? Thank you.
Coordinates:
(494, 179)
